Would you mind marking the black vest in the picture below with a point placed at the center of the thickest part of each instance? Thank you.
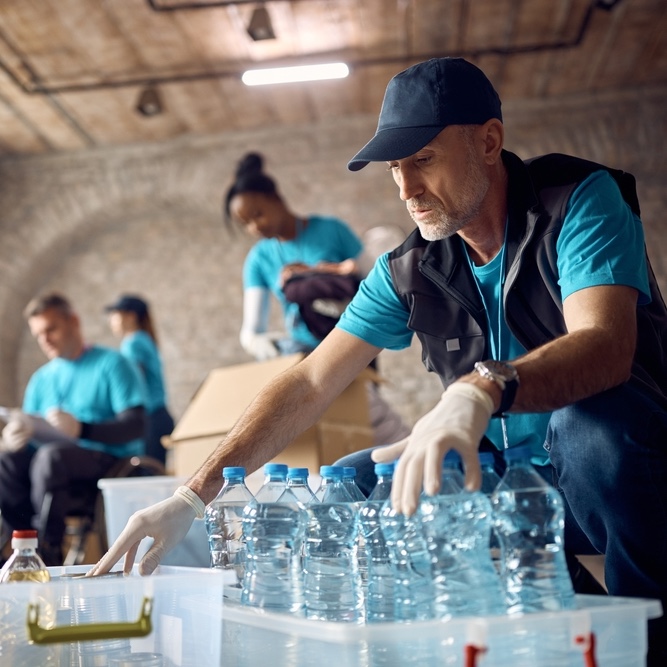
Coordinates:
(434, 279)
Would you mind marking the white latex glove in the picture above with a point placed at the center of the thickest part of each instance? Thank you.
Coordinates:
(262, 346)
(16, 433)
(64, 422)
(458, 422)
(167, 522)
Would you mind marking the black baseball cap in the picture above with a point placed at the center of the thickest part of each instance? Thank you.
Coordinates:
(423, 100)
(129, 302)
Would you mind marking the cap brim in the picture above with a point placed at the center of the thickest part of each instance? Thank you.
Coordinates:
(393, 144)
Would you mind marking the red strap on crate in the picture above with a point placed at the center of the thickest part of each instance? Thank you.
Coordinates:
(588, 641)
(470, 653)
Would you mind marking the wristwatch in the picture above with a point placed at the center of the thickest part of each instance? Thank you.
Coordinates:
(505, 376)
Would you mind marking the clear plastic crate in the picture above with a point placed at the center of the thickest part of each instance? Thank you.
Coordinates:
(124, 496)
(555, 639)
(171, 619)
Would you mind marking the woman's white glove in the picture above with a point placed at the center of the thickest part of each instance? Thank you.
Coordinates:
(262, 346)
(64, 422)
(458, 421)
(17, 432)
(167, 522)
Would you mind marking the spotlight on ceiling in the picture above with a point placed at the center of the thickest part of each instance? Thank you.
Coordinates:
(259, 77)
(149, 103)
(260, 26)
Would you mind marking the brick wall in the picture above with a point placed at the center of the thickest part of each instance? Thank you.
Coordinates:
(147, 219)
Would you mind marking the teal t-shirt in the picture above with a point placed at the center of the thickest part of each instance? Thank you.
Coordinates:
(323, 239)
(94, 388)
(140, 348)
(601, 243)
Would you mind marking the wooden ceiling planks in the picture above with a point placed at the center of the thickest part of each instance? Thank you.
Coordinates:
(195, 56)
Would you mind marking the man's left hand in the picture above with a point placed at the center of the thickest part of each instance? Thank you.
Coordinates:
(458, 422)
(64, 422)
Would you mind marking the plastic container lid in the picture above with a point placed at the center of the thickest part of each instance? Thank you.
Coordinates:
(384, 469)
(349, 472)
(230, 472)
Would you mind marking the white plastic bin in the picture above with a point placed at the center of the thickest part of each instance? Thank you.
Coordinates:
(126, 495)
(172, 619)
(619, 626)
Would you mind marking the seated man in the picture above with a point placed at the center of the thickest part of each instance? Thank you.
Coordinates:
(92, 401)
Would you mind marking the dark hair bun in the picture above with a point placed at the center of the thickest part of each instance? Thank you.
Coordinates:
(250, 164)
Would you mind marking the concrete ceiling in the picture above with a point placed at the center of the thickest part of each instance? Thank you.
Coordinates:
(72, 71)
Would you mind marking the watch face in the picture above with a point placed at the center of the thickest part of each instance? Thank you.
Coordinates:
(505, 371)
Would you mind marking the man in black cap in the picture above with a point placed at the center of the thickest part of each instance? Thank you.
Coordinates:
(528, 286)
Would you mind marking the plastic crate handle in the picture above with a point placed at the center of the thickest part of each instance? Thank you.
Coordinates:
(91, 631)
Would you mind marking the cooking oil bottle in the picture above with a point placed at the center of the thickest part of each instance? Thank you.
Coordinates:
(25, 563)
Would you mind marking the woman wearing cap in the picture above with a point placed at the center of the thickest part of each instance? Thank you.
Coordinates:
(129, 319)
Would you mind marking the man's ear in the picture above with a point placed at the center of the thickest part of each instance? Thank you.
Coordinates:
(493, 134)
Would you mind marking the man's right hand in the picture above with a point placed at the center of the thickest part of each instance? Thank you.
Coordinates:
(17, 432)
(167, 522)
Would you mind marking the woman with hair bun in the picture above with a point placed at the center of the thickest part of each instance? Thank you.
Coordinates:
(311, 264)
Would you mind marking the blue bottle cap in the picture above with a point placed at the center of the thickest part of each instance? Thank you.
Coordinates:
(298, 472)
(520, 453)
(349, 472)
(331, 471)
(275, 468)
(486, 459)
(230, 472)
(452, 459)
(384, 469)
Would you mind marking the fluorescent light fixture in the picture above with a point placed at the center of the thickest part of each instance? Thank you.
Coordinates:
(260, 77)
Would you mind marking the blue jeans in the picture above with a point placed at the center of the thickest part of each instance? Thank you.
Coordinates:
(609, 461)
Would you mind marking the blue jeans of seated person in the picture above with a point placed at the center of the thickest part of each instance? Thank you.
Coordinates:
(609, 461)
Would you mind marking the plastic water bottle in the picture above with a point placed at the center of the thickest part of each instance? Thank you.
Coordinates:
(490, 480)
(411, 564)
(24, 565)
(224, 523)
(275, 482)
(332, 475)
(273, 532)
(349, 474)
(529, 519)
(332, 585)
(297, 482)
(379, 589)
(457, 525)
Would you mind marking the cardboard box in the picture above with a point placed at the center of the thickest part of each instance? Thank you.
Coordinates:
(226, 392)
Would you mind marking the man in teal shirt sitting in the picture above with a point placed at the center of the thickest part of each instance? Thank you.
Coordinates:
(93, 402)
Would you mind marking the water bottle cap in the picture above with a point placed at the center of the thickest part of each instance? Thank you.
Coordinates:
(452, 459)
(349, 472)
(384, 469)
(520, 453)
(22, 539)
(332, 471)
(233, 472)
(275, 469)
(486, 459)
(298, 472)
